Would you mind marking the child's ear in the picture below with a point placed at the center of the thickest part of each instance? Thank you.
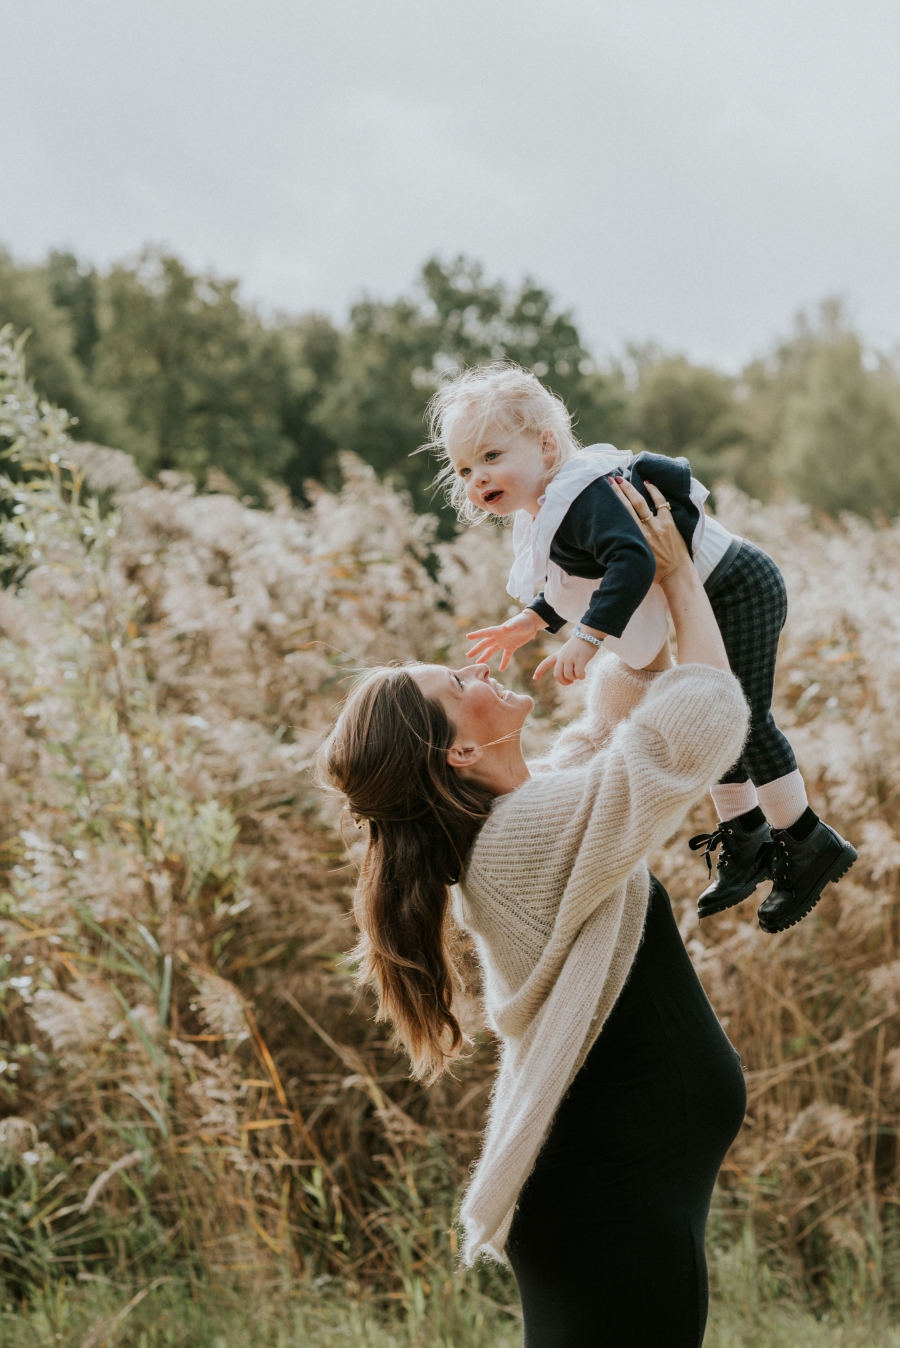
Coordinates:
(549, 447)
(462, 756)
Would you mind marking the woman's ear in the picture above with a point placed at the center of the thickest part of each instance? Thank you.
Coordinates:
(461, 756)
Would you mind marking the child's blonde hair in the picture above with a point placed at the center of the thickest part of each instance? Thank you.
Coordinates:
(486, 405)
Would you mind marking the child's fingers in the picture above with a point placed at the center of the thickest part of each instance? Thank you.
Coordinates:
(485, 643)
(483, 651)
(483, 632)
(542, 668)
(505, 659)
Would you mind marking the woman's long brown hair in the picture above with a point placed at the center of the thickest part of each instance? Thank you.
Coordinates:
(388, 755)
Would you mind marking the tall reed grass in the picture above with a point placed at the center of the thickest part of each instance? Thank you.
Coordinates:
(189, 1082)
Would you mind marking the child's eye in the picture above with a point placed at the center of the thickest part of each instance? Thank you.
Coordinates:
(463, 472)
(491, 454)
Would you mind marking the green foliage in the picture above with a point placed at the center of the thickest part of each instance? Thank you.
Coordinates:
(395, 354)
(75, 289)
(28, 303)
(202, 379)
(680, 408)
(312, 349)
(746, 1311)
(822, 420)
(172, 366)
(841, 437)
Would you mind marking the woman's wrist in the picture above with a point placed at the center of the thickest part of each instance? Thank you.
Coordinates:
(685, 576)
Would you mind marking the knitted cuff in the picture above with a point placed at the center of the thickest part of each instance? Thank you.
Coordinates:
(615, 689)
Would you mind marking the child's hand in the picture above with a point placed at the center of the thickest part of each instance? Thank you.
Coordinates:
(570, 661)
(508, 637)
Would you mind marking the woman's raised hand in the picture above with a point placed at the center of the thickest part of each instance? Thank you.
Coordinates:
(508, 637)
(660, 530)
(696, 630)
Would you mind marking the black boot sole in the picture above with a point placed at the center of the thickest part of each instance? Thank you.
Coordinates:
(836, 870)
(721, 905)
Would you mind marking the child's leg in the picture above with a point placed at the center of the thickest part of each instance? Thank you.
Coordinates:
(750, 604)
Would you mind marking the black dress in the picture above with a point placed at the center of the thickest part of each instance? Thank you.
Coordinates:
(607, 1243)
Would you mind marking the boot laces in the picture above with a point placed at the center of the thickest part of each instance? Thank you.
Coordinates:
(780, 863)
(719, 837)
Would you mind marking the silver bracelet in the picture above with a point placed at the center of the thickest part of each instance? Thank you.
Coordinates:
(595, 641)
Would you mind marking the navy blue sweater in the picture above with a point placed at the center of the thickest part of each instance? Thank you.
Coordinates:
(599, 537)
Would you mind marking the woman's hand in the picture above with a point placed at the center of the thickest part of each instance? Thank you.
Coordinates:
(696, 630)
(508, 637)
(660, 530)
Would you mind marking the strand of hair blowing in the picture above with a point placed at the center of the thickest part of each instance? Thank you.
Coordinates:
(388, 755)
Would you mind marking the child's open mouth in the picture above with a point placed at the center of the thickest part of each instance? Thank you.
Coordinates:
(492, 497)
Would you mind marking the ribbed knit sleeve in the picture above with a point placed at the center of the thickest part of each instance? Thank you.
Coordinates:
(582, 830)
(612, 691)
(688, 729)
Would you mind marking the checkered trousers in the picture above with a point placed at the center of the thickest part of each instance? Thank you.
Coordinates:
(750, 604)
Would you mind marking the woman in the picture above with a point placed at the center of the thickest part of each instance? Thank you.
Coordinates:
(618, 1093)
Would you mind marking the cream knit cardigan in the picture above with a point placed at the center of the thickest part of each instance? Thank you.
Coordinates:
(555, 895)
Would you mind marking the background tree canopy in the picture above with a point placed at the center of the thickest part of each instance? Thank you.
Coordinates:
(175, 368)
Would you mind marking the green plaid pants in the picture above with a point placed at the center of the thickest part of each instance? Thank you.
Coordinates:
(750, 604)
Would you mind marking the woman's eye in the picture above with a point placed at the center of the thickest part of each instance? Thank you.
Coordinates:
(459, 681)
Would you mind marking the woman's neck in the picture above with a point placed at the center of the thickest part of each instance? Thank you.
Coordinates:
(502, 768)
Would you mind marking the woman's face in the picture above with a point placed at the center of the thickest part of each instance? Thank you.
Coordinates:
(480, 708)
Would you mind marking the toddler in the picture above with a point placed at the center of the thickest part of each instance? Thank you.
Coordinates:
(580, 556)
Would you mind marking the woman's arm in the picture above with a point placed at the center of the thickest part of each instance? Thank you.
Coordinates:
(613, 690)
(688, 730)
(602, 818)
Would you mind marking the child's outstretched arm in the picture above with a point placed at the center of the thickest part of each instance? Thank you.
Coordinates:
(508, 637)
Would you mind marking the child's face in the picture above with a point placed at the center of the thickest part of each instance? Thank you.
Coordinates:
(506, 475)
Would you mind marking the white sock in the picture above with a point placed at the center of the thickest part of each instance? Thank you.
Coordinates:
(784, 800)
(733, 798)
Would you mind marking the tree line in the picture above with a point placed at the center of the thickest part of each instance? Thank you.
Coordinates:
(174, 367)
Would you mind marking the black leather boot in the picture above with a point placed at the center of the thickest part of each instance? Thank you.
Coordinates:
(801, 872)
(742, 864)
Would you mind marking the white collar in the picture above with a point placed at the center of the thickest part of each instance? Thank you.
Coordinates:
(532, 536)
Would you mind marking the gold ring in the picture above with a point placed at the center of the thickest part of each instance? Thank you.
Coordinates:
(664, 505)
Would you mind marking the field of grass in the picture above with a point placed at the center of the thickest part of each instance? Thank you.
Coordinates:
(191, 1088)
(286, 1314)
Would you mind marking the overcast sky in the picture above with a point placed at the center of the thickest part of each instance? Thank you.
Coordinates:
(692, 171)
